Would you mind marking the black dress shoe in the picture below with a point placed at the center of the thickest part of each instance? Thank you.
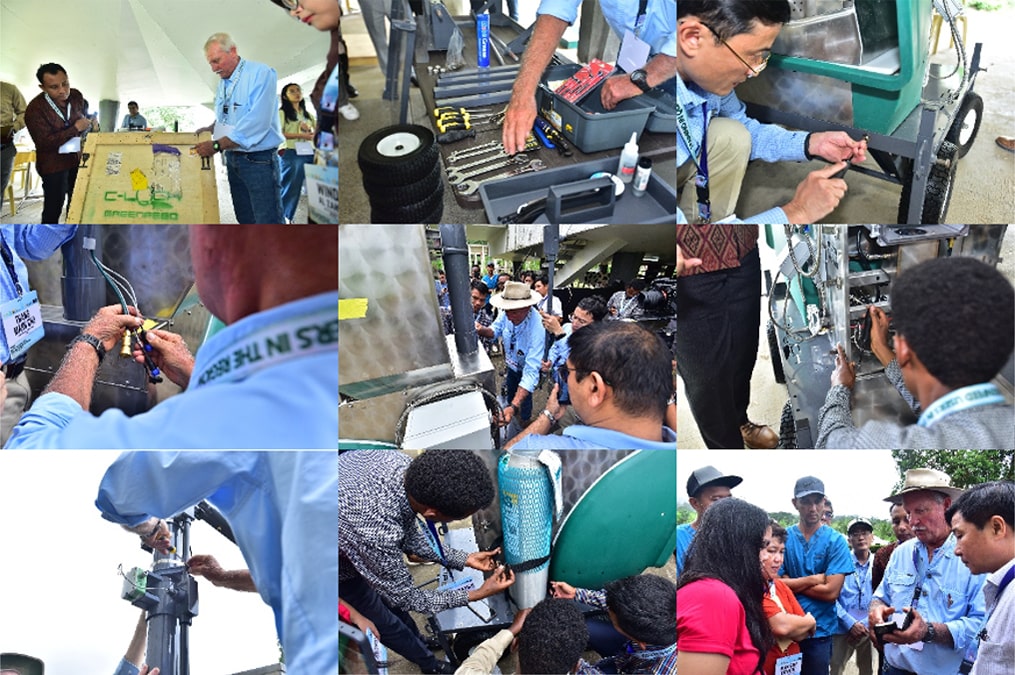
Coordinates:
(442, 667)
(432, 643)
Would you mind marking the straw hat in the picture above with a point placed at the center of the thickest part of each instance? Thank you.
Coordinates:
(918, 480)
(515, 296)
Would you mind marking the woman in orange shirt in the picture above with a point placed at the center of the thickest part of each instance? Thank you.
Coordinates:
(786, 617)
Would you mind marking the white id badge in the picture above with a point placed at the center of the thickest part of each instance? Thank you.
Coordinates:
(221, 131)
(22, 323)
(304, 148)
(633, 52)
(789, 665)
(73, 145)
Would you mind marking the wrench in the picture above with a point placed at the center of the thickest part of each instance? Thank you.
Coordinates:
(475, 150)
(456, 176)
(479, 162)
(470, 187)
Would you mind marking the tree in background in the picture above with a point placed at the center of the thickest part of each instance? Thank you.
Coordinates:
(966, 467)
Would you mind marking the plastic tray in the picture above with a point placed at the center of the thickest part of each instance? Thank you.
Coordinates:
(657, 205)
(664, 118)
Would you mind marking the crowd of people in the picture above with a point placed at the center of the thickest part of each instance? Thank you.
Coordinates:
(390, 506)
(252, 129)
(610, 381)
(755, 597)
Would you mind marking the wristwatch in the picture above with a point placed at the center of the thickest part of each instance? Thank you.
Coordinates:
(95, 342)
(640, 79)
(929, 636)
(215, 145)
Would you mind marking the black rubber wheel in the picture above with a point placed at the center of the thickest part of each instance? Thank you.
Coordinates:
(434, 217)
(966, 124)
(398, 155)
(775, 354)
(939, 187)
(415, 212)
(386, 196)
(787, 427)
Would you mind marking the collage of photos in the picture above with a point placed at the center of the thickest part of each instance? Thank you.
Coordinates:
(643, 336)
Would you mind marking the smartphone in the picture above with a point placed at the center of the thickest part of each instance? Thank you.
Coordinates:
(562, 394)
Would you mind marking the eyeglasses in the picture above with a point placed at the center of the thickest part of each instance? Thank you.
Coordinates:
(861, 533)
(762, 59)
(577, 320)
(293, 4)
(563, 370)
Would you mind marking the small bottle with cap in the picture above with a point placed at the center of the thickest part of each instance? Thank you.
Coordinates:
(641, 176)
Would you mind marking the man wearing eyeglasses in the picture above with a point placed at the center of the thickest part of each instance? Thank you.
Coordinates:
(647, 54)
(720, 44)
(620, 378)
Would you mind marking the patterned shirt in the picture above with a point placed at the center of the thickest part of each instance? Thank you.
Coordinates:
(653, 660)
(484, 317)
(997, 649)
(376, 525)
(627, 308)
(720, 247)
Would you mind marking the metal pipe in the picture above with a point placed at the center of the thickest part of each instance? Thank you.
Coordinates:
(84, 289)
(455, 251)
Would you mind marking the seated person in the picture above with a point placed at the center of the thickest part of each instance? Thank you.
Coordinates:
(643, 614)
(551, 640)
(620, 379)
(953, 334)
(133, 120)
(786, 618)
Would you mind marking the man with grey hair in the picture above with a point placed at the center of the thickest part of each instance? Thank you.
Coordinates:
(246, 131)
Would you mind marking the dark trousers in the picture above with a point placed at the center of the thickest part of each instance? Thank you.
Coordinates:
(817, 654)
(398, 630)
(718, 318)
(604, 638)
(57, 188)
(7, 155)
(513, 379)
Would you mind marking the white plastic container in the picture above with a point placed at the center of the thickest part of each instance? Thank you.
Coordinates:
(628, 159)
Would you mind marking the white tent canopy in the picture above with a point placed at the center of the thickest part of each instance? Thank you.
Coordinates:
(151, 51)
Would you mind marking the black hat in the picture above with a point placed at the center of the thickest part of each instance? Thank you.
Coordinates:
(707, 476)
(808, 485)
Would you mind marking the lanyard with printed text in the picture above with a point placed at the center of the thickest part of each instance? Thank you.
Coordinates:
(430, 530)
(701, 179)
(227, 91)
(64, 116)
(8, 257)
(965, 398)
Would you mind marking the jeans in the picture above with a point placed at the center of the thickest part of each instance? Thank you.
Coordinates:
(7, 155)
(398, 630)
(254, 186)
(292, 180)
(817, 655)
(56, 188)
(717, 346)
(514, 378)
(603, 637)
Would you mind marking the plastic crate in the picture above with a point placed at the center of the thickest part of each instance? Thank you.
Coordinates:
(588, 125)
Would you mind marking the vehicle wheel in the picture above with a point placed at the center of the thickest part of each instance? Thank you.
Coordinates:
(414, 212)
(398, 155)
(966, 124)
(775, 354)
(939, 187)
(787, 427)
(386, 196)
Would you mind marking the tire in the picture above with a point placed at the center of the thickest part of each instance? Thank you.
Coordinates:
(408, 213)
(787, 427)
(966, 124)
(398, 155)
(775, 354)
(939, 187)
(382, 196)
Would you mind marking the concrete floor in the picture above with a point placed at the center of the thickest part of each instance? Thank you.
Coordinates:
(984, 188)
(30, 210)
(768, 396)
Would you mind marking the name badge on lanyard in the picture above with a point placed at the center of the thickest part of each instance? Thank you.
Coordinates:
(22, 324)
(634, 51)
(789, 665)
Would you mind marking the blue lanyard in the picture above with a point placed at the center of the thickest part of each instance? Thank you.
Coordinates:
(983, 637)
(639, 20)
(966, 398)
(701, 179)
(435, 541)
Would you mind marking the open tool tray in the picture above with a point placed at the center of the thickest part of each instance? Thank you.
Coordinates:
(503, 197)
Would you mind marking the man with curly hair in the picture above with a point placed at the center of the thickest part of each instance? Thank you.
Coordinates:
(953, 322)
(387, 506)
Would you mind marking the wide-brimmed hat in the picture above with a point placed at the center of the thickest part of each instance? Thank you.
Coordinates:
(918, 480)
(516, 295)
(709, 476)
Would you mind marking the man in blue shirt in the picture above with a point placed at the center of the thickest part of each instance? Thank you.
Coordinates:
(521, 332)
(247, 128)
(851, 607)
(18, 243)
(620, 378)
(269, 379)
(589, 310)
(926, 577)
(816, 564)
(721, 43)
(490, 279)
(282, 509)
(649, 46)
(705, 486)
(133, 120)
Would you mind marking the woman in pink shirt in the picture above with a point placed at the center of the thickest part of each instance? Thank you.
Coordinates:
(721, 628)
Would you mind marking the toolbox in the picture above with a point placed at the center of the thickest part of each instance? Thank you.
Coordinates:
(663, 119)
(586, 123)
(503, 197)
